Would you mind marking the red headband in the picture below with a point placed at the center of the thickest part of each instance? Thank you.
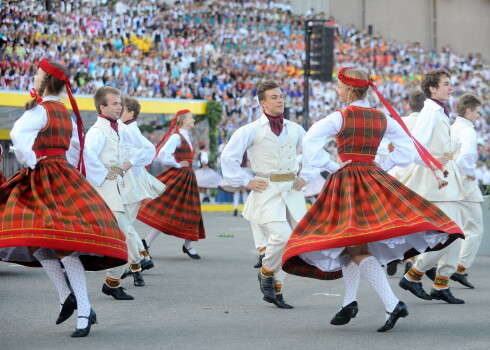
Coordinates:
(423, 152)
(46, 66)
(182, 111)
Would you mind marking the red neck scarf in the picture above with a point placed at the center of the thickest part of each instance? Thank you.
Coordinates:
(114, 124)
(130, 121)
(276, 123)
(423, 152)
(440, 103)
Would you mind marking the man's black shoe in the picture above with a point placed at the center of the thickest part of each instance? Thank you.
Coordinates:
(415, 288)
(279, 302)
(146, 264)
(446, 295)
(463, 279)
(138, 279)
(117, 293)
(391, 267)
(431, 273)
(267, 287)
(259, 263)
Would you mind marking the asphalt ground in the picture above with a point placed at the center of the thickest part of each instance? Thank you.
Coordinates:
(215, 303)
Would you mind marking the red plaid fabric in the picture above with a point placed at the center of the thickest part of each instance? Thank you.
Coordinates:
(177, 211)
(2, 178)
(361, 203)
(54, 206)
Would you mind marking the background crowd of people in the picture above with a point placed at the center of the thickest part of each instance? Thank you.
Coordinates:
(218, 50)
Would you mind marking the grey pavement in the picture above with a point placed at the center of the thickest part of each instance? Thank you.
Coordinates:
(215, 303)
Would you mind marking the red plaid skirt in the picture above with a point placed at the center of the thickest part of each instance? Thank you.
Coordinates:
(54, 206)
(2, 178)
(360, 204)
(177, 211)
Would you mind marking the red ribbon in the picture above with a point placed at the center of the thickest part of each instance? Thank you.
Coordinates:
(423, 152)
(164, 139)
(60, 75)
(35, 95)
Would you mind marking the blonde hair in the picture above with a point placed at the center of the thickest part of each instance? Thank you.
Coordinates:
(179, 120)
(359, 92)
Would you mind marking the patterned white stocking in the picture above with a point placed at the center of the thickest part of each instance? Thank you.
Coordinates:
(372, 271)
(352, 276)
(76, 276)
(52, 266)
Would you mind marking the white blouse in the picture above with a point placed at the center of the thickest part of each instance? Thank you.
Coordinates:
(315, 156)
(166, 154)
(26, 129)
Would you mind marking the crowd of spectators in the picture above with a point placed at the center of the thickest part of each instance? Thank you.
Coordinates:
(213, 49)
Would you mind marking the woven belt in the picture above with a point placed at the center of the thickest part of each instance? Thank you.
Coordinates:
(448, 155)
(279, 177)
(117, 170)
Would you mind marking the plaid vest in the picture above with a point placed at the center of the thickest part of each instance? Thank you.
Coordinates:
(184, 151)
(58, 131)
(362, 131)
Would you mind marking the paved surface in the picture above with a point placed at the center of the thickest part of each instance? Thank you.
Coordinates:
(215, 303)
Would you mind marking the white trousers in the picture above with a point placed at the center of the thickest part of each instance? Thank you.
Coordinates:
(472, 218)
(122, 221)
(131, 211)
(446, 259)
(277, 233)
(260, 236)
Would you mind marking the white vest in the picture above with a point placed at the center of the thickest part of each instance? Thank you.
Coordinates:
(111, 155)
(473, 193)
(267, 156)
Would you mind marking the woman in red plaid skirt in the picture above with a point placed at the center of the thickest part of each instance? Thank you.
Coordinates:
(364, 218)
(177, 211)
(48, 211)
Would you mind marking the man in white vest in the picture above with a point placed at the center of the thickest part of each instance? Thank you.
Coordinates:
(105, 166)
(432, 130)
(276, 202)
(464, 138)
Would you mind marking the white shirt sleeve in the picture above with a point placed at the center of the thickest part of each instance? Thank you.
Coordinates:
(140, 148)
(313, 153)
(404, 152)
(94, 144)
(73, 153)
(232, 155)
(306, 173)
(166, 154)
(24, 133)
(466, 160)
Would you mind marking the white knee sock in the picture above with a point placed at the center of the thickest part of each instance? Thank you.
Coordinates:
(244, 196)
(236, 199)
(76, 275)
(188, 246)
(372, 271)
(151, 237)
(352, 276)
(52, 266)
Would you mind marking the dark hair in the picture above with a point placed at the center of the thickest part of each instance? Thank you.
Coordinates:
(100, 97)
(132, 105)
(49, 84)
(265, 86)
(432, 79)
(416, 100)
(466, 101)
